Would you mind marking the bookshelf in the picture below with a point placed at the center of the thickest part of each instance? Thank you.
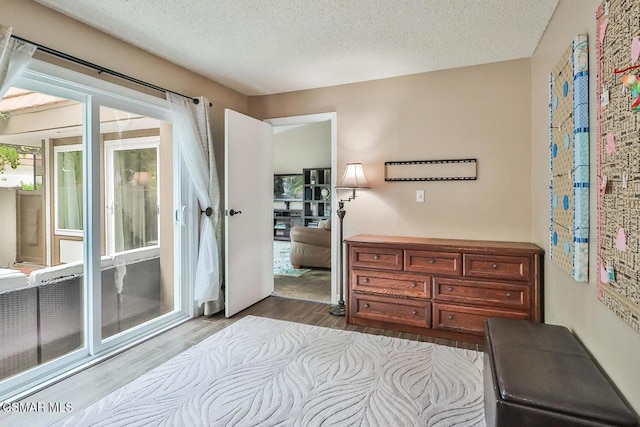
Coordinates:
(284, 219)
(316, 205)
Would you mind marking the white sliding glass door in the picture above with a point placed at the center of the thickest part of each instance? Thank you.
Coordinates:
(105, 206)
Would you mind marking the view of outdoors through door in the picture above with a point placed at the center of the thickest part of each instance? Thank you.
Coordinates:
(132, 197)
(44, 300)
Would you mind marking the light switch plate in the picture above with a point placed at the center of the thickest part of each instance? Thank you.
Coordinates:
(420, 196)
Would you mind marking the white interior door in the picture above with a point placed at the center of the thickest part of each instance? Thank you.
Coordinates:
(248, 211)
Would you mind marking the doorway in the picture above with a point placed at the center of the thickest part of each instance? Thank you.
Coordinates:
(304, 180)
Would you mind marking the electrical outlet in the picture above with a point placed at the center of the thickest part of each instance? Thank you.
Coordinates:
(420, 196)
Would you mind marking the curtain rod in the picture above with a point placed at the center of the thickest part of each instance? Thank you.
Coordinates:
(102, 69)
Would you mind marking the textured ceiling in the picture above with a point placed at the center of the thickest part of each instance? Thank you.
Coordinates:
(262, 47)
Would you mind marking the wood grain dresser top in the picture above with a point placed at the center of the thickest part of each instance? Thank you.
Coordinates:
(453, 244)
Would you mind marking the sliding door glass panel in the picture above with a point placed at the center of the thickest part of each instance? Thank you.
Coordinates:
(42, 299)
(138, 227)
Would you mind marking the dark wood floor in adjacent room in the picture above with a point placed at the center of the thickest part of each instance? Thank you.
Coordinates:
(90, 385)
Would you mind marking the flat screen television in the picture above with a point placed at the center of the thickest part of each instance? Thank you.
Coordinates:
(288, 187)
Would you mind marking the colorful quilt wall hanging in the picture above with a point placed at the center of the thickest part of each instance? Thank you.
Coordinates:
(569, 161)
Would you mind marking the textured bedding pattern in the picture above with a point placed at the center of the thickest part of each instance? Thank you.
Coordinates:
(269, 372)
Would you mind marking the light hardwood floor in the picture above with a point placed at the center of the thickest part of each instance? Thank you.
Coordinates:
(90, 385)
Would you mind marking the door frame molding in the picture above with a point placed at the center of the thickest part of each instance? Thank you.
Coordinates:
(331, 117)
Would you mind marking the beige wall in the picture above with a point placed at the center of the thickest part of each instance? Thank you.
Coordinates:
(307, 146)
(477, 112)
(575, 305)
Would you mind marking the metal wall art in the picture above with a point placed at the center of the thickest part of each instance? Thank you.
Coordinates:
(432, 170)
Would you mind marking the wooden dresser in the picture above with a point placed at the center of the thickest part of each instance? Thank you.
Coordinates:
(441, 287)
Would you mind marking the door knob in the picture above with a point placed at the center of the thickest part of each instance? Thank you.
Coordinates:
(232, 212)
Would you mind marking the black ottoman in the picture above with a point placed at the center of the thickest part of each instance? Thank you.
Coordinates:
(540, 375)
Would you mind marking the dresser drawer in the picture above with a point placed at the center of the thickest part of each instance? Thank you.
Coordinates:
(497, 267)
(381, 258)
(389, 309)
(445, 263)
(393, 284)
(494, 294)
(468, 320)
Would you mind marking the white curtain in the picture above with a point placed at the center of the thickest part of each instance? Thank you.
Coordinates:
(119, 181)
(14, 58)
(201, 111)
(192, 133)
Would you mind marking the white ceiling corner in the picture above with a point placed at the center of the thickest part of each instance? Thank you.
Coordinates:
(258, 47)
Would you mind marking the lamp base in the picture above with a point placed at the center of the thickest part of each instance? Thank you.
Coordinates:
(338, 310)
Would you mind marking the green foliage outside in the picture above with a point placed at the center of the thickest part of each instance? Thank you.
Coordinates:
(8, 156)
(28, 187)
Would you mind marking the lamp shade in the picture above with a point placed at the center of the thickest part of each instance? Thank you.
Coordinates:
(353, 177)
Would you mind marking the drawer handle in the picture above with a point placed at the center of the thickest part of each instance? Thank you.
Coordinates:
(415, 285)
(494, 266)
(365, 280)
(431, 261)
(376, 257)
(508, 294)
(366, 306)
(450, 288)
(450, 317)
(414, 312)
